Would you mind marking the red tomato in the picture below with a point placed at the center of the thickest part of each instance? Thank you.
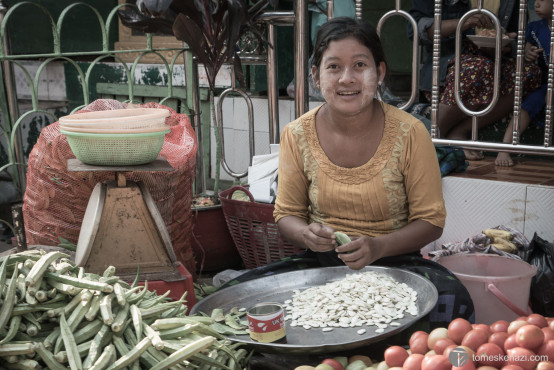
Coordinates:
(457, 329)
(468, 366)
(417, 334)
(474, 338)
(413, 362)
(419, 345)
(510, 342)
(529, 336)
(449, 349)
(500, 325)
(512, 367)
(441, 344)
(490, 354)
(537, 319)
(545, 365)
(333, 363)
(514, 325)
(395, 356)
(547, 349)
(483, 327)
(551, 325)
(436, 362)
(548, 334)
(498, 338)
(521, 357)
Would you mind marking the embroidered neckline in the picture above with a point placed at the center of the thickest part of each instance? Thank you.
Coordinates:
(355, 175)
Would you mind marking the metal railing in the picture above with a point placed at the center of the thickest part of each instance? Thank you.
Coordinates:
(474, 143)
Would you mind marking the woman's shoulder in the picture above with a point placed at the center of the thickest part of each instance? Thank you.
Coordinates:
(299, 124)
(398, 115)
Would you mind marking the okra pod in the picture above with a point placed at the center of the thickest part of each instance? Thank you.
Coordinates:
(132, 356)
(9, 300)
(14, 327)
(87, 295)
(184, 353)
(100, 339)
(154, 336)
(120, 318)
(3, 273)
(41, 296)
(40, 267)
(78, 315)
(88, 331)
(79, 283)
(48, 357)
(119, 294)
(109, 271)
(175, 322)
(94, 308)
(134, 298)
(70, 345)
(106, 358)
(64, 288)
(106, 309)
(137, 321)
(10, 349)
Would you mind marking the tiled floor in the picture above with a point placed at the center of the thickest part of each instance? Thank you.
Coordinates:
(525, 170)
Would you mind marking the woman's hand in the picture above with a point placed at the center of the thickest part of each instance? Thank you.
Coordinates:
(478, 20)
(360, 252)
(319, 238)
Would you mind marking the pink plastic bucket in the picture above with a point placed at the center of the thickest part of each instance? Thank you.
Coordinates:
(499, 286)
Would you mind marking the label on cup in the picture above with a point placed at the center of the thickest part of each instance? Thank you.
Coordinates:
(266, 322)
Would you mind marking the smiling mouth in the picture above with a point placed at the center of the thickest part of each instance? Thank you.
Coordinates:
(348, 93)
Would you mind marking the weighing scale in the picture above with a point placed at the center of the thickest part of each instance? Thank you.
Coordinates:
(122, 227)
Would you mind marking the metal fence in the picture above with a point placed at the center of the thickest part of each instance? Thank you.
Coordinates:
(12, 116)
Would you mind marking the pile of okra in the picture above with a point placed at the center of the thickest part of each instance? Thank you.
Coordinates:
(55, 315)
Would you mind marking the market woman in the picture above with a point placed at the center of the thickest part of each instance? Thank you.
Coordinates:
(368, 169)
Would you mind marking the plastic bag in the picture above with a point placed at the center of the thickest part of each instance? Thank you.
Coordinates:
(541, 254)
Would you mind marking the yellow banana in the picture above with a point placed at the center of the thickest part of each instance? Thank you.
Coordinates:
(495, 233)
(504, 245)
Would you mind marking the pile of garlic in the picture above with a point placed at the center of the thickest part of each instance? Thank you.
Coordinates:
(368, 298)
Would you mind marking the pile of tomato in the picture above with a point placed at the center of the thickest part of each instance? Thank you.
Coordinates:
(526, 343)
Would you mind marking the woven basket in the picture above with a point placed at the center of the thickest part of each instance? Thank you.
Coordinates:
(254, 230)
(116, 149)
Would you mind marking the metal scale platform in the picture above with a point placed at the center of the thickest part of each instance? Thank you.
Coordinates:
(122, 227)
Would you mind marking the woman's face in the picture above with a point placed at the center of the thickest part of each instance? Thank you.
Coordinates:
(347, 76)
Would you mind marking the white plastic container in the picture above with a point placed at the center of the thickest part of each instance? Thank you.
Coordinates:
(133, 118)
(499, 286)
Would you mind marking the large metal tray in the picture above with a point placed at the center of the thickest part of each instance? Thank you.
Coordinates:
(278, 288)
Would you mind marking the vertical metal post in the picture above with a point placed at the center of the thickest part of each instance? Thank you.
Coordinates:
(11, 95)
(193, 93)
(435, 90)
(330, 9)
(520, 57)
(301, 56)
(272, 87)
(549, 95)
(358, 7)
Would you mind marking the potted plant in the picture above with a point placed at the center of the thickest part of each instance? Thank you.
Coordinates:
(211, 29)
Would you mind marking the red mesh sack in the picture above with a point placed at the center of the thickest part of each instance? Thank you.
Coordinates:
(55, 200)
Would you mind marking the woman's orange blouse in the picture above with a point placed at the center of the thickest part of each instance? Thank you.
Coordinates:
(400, 184)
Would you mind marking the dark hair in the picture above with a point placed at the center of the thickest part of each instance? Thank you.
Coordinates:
(342, 27)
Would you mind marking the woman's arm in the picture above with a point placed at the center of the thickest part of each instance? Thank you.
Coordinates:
(365, 250)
